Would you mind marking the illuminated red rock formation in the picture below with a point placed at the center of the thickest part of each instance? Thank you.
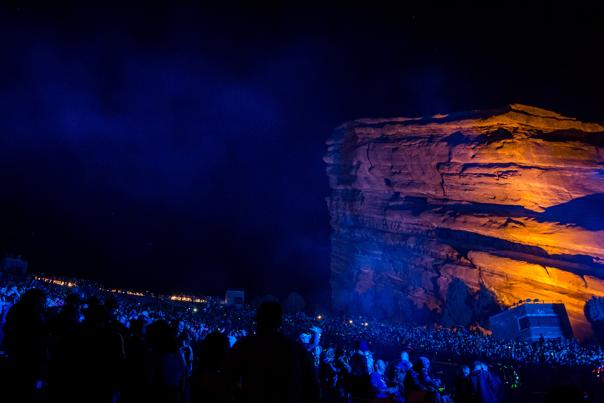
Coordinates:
(512, 200)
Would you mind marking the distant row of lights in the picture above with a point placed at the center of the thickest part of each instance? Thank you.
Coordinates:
(127, 292)
(62, 283)
(179, 298)
(185, 298)
(70, 284)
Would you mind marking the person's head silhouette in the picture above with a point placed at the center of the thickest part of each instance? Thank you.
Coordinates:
(268, 317)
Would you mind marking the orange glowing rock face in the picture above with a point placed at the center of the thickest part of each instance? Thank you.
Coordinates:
(511, 200)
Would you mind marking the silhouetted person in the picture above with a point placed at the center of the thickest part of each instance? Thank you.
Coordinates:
(358, 383)
(25, 341)
(103, 355)
(168, 367)
(463, 386)
(66, 356)
(419, 384)
(329, 374)
(136, 371)
(269, 367)
(210, 383)
(486, 386)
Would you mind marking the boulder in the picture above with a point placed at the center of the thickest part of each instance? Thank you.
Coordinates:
(509, 200)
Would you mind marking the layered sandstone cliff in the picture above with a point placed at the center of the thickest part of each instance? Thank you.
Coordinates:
(511, 200)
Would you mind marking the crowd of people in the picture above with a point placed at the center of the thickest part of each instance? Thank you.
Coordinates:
(65, 344)
(461, 344)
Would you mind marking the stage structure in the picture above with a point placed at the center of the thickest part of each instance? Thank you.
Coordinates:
(532, 321)
(235, 298)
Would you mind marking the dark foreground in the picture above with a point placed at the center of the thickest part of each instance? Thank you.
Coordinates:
(85, 344)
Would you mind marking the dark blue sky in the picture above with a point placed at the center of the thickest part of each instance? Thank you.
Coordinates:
(179, 148)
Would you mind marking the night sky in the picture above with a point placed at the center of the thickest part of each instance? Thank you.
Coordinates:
(180, 148)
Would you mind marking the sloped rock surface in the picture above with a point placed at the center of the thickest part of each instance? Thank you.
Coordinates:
(511, 199)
